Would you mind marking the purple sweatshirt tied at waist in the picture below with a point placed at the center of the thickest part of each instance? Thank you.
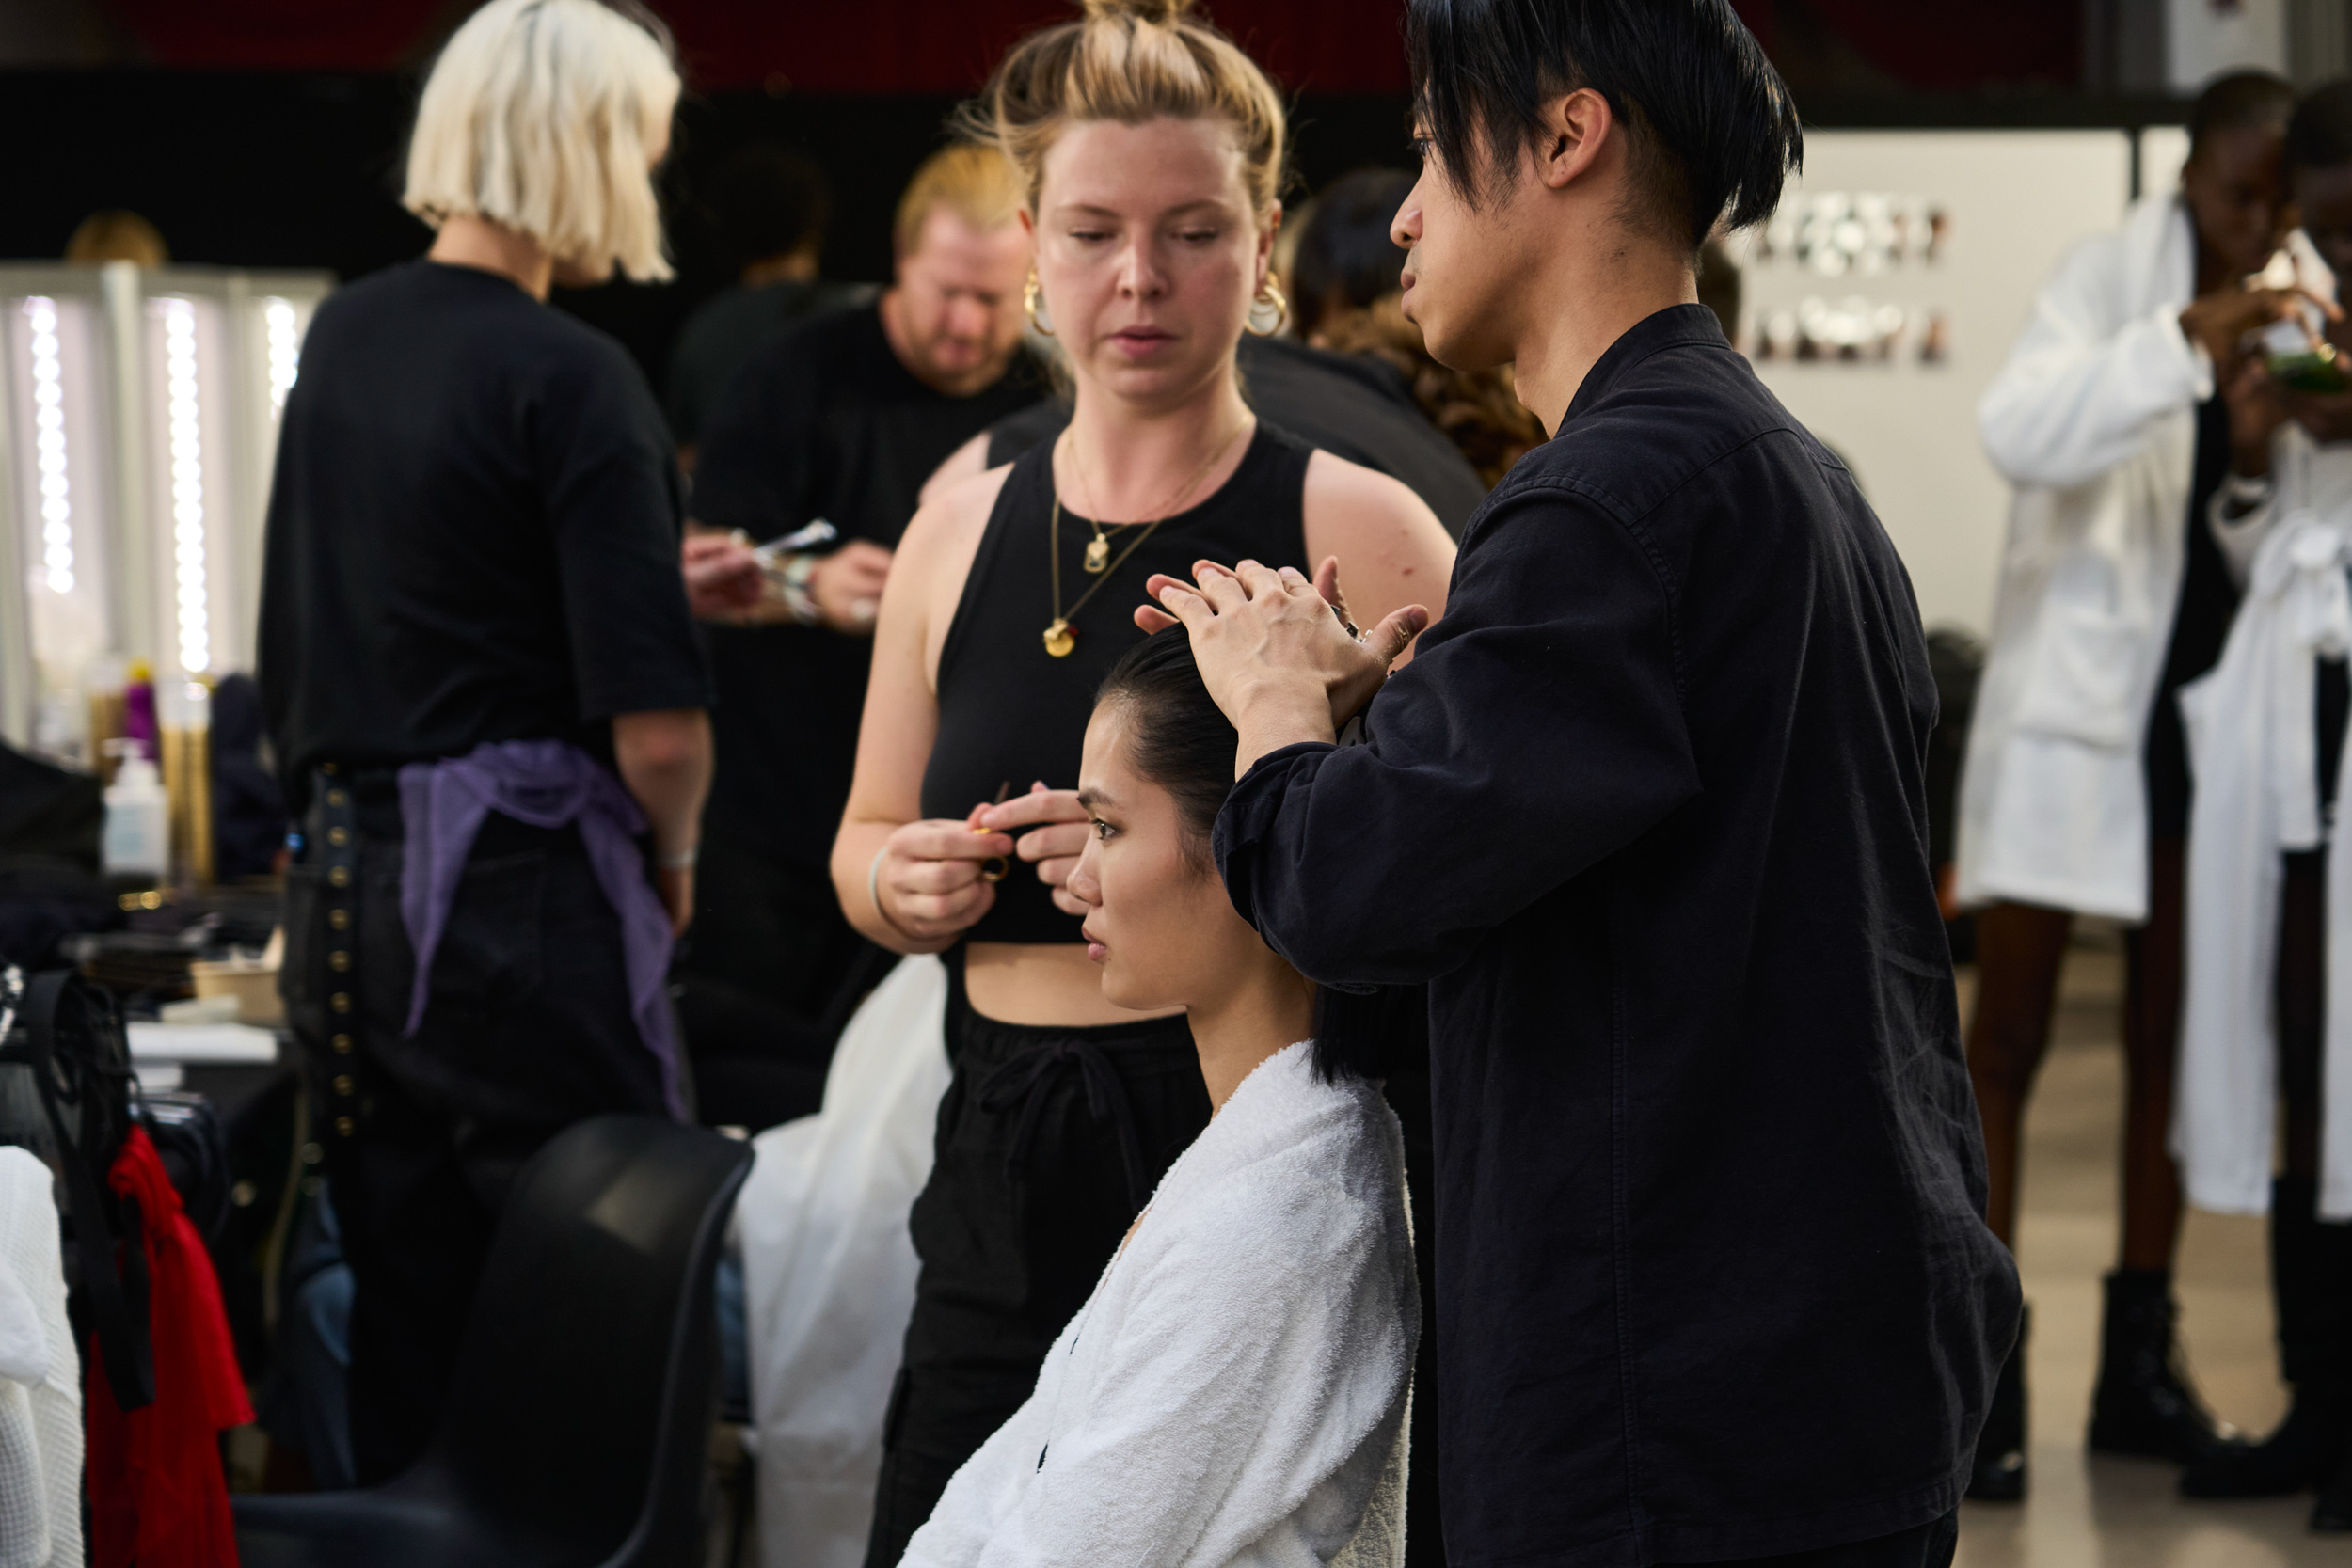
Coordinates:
(541, 783)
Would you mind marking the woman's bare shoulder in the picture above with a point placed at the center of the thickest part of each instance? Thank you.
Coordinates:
(1339, 487)
(948, 525)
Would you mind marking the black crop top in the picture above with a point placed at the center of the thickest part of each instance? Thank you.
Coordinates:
(1010, 712)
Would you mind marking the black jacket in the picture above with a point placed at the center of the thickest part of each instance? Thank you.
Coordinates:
(1648, 811)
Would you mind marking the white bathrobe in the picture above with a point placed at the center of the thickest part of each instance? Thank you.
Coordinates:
(1234, 1392)
(2093, 421)
(41, 1378)
(2252, 748)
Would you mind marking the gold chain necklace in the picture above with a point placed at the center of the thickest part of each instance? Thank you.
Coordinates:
(1061, 637)
(1098, 556)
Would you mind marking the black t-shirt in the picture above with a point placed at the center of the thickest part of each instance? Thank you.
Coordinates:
(824, 423)
(1350, 405)
(472, 534)
(727, 329)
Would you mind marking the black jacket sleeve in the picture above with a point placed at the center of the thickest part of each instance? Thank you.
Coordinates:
(1539, 730)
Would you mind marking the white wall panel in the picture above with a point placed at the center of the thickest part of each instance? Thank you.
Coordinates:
(2011, 203)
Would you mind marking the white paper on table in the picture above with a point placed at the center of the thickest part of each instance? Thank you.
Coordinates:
(208, 1043)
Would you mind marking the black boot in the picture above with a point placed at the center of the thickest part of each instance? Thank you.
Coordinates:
(2143, 1404)
(1999, 1475)
(2310, 1272)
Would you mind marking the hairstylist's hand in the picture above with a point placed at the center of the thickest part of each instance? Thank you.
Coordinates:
(723, 580)
(1276, 656)
(848, 586)
(929, 884)
(676, 888)
(1057, 835)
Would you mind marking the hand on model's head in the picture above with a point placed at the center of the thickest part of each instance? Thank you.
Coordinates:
(1253, 622)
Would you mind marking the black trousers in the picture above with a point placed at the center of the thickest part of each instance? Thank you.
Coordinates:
(1927, 1545)
(527, 1031)
(1049, 1144)
(770, 973)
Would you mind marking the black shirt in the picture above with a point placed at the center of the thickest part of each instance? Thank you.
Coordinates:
(824, 423)
(472, 533)
(1647, 812)
(1349, 405)
(727, 329)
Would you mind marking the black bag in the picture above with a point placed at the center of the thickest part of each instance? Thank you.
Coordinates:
(194, 1146)
(67, 1035)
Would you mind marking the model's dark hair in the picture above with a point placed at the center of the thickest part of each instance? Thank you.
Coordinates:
(1177, 736)
(770, 201)
(1181, 740)
(2320, 134)
(2241, 101)
(1711, 131)
(1346, 258)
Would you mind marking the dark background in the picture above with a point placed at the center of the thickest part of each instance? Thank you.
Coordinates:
(268, 133)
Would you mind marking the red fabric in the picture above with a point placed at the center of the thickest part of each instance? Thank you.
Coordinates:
(158, 1498)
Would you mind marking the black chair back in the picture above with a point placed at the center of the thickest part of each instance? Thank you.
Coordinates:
(577, 1434)
(589, 1379)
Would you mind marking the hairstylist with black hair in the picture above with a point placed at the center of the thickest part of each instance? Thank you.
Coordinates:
(1647, 812)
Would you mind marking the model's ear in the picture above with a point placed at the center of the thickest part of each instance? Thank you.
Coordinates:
(1577, 128)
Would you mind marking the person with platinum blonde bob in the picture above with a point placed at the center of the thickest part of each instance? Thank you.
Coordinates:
(1235, 1389)
(482, 684)
(1150, 152)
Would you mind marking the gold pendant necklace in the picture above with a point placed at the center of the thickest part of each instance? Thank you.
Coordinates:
(1061, 637)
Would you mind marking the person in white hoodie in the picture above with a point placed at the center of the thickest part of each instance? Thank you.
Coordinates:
(1237, 1390)
(2269, 877)
(2074, 793)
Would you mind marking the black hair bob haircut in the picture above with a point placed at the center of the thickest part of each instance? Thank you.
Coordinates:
(1712, 131)
(1181, 740)
(2320, 134)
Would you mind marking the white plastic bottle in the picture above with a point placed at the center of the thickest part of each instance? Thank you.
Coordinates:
(139, 816)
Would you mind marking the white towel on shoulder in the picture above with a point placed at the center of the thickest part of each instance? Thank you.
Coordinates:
(41, 1389)
(1237, 1390)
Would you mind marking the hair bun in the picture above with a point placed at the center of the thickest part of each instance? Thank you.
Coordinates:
(1157, 13)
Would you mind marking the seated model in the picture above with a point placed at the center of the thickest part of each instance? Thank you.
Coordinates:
(1235, 1389)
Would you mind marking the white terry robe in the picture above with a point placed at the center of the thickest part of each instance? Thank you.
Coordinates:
(1235, 1390)
(2253, 747)
(2093, 420)
(41, 1378)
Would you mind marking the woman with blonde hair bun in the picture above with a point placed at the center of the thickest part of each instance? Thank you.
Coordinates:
(1151, 154)
(482, 684)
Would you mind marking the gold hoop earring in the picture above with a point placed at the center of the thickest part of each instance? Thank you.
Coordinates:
(1033, 296)
(1270, 298)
